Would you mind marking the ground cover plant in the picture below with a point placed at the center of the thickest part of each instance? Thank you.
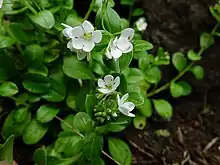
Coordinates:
(74, 81)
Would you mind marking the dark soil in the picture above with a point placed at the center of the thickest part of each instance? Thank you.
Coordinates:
(195, 126)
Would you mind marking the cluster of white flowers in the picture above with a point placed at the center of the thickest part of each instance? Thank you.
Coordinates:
(82, 38)
(120, 45)
(141, 24)
(108, 86)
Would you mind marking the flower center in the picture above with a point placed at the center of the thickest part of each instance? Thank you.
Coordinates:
(87, 36)
(109, 87)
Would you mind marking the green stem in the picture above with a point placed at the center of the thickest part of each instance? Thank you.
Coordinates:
(14, 12)
(68, 125)
(90, 10)
(167, 85)
(30, 7)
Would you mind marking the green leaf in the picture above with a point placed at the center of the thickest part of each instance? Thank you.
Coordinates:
(34, 132)
(125, 60)
(6, 42)
(163, 108)
(139, 122)
(93, 145)
(193, 56)
(187, 89)
(120, 151)
(56, 93)
(36, 83)
(19, 34)
(121, 123)
(125, 23)
(98, 4)
(69, 144)
(40, 156)
(74, 20)
(21, 114)
(46, 113)
(138, 12)
(215, 12)
(11, 127)
(34, 55)
(144, 62)
(198, 72)
(76, 69)
(70, 121)
(41, 70)
(136, 98)
(146, 108)
(83, 122)
(153, 75)
(206, 40)
(176, 90)
(141, 45)
(135, 76)
(66, 161)
(179, 61)
(6, 150)
(44, 19)
(8, 89)
(111, 20)
(90, 102)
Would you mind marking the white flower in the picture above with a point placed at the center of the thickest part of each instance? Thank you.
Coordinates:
(1, 3)
(82, 37)
(121, 45)
(109, 84)
(141, 24)
(125, 107)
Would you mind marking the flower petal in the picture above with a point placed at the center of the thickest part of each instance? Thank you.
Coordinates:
(129, 49)
(129, 105)
(67, 32)
(131, 115)
(77, 31)
(81, 55)
(70, 45)
(109, 79)
(116, 53)
(124, 98)
(88, 27)
(116, 82)
(123, 44)
(65, 25)
(123, 110)
(78, 43)
(118, 100)
(105, 90)
(127, 33)
(97, 36)
(88, 46)
(101, 83)
(108, 54)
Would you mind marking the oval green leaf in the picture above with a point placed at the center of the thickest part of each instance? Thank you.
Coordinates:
(46, 113)
(163, 108)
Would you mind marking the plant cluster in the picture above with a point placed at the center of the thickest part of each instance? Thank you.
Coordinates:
(94, 78)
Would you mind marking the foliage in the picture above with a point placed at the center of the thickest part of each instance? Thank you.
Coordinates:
(55, 63)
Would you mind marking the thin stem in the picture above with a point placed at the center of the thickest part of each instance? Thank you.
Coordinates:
(30, 7)
(107, 155)
(90, 10)
(167, 85)
(16, 11)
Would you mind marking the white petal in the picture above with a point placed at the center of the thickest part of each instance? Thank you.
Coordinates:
(70, 45)
(67, 32)
(109, 80)
(128, 33)
(123, 44)
(108, 54)
(105, 90)
(118, 100)
(116, 82)
(78, 43)
(129, 105)
(88, 27)
(81, 55)
(129, 49)
(101, 83)
(123, 110)
(116, 53)
(131, 115)
(77, 31)
(124, 98)
(88, 46)
(97, 36)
